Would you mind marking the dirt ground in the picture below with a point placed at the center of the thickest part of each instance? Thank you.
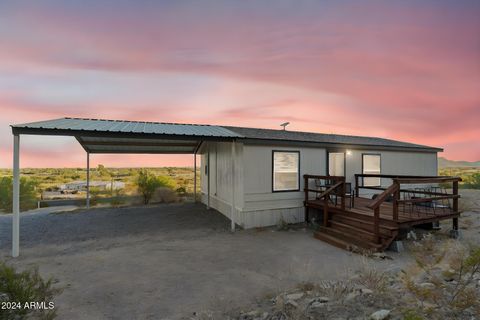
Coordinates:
(168, 261)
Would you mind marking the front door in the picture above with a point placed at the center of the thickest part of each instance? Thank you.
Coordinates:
(336, 163)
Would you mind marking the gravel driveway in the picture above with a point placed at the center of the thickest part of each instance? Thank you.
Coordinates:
(166, 261)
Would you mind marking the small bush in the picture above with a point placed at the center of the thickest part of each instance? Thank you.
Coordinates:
(25, 287)
(445, 276)
(118, 198)
(282, 225)
(165, 195)
(147, 183)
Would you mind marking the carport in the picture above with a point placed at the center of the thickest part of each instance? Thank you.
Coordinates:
(119, 137)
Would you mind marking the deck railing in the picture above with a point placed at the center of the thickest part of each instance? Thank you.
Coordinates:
(325, 187)
(395, 189)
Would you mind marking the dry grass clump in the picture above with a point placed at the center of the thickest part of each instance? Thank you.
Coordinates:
(445, 280)
(442, 283)
(164, 195)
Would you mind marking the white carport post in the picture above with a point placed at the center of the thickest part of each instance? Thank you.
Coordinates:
(16, 197)
(88, 180)
(195, 177)
(232, 212)
(208, 178)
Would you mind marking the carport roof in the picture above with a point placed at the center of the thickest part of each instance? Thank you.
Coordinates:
(121, 136)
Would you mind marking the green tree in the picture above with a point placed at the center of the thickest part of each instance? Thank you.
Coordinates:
(146, 183)
(28, 193)
(102, 171)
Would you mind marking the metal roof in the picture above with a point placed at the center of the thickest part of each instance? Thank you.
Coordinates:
(132, 127)
(324, 138)
(120, 136)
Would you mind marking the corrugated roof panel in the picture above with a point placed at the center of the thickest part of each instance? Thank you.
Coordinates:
(298, 136)
(211, 131)
(77, 124)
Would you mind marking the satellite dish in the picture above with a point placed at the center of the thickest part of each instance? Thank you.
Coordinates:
(284, 125)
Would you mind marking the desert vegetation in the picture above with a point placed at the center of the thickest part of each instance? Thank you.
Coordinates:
(27, 294)
(442, 282)
(150, 184)
(28, 193)
(469, 175)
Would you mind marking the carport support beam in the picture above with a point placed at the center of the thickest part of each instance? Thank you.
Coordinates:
(195, 177)
(208, 178)
(232, 213)
(88, 180)
(16, 197)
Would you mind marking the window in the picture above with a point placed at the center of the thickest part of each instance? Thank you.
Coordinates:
(336, 163)
(371, 165)
(286, 171)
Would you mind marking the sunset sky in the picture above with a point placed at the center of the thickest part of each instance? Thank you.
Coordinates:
(406, 70)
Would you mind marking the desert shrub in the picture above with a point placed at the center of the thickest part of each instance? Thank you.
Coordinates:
(118, 197)
(28, 193)
(445, 277)
(164, 194)
(472, 181)
(147, 183)
(371, 278)
(282, 225)
(181, 191)
(24, 287)
(94, 195)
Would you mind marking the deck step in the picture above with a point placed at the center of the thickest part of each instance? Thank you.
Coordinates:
(353, 230)
(366, 219)
(352, 239)
(334, 241)
(363, 225)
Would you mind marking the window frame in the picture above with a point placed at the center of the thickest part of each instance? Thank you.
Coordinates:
(363, 168)
(273, 171)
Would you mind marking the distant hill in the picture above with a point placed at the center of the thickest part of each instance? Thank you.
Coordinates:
(445, 163)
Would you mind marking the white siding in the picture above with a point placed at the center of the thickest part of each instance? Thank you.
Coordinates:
(255, 203)
(263, 207)
(220, 175)
(393, 162)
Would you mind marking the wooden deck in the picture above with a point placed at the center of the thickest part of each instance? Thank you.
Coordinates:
(373, 224)
(407, 215)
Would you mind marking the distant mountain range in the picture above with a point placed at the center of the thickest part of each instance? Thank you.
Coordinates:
(445, 163)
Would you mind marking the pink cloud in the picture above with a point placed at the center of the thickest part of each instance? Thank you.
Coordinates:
(403, 71)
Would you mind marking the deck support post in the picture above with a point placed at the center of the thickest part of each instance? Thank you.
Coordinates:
(232, 211)
(376, 224)
(325, 211)
(16, 197)
(396, 197)
(455, 209)
(357, 188)
(88, 180)
(344, 191)
(195, 177)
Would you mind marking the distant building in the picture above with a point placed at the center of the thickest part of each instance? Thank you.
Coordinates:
(102, 185)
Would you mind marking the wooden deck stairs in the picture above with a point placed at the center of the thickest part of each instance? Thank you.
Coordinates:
(373, 224)
(354, 233)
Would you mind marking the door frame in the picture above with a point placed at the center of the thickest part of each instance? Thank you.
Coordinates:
(327, 170)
